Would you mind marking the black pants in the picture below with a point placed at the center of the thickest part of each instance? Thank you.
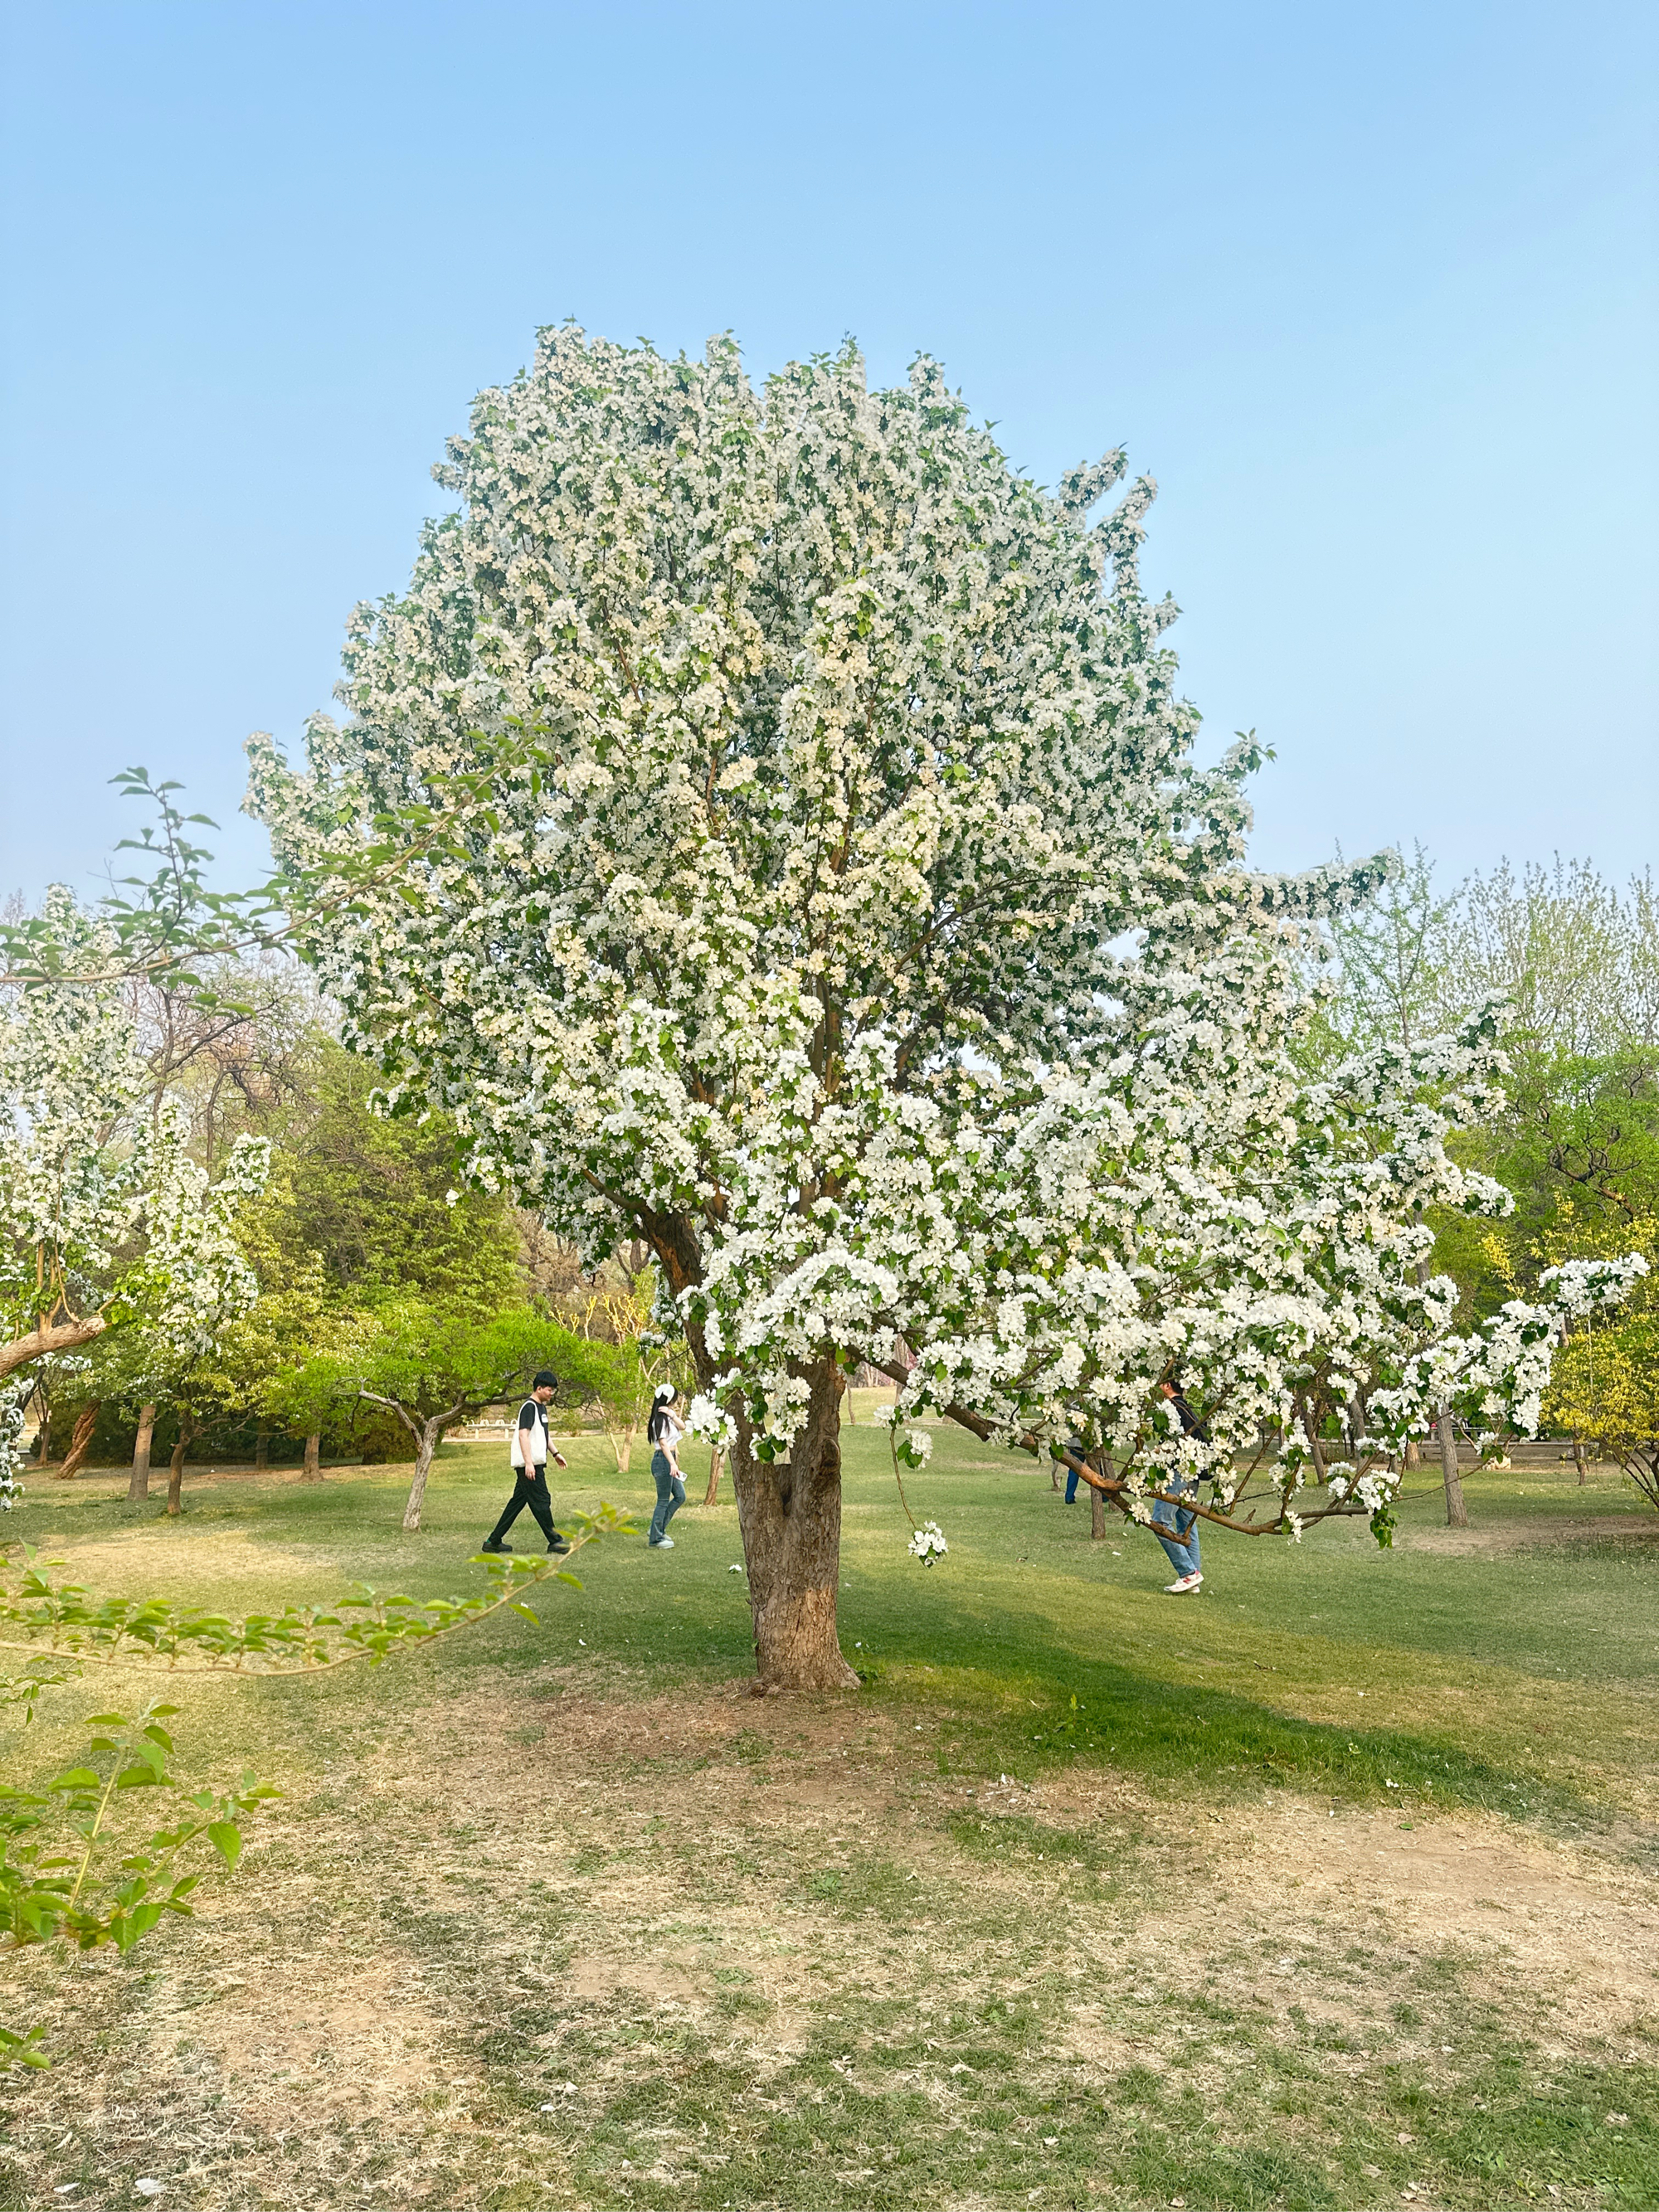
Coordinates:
(529, 1490)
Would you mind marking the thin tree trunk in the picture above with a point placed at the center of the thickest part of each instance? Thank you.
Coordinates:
(1457, 1514)
(710, 1495)
(426, 1438)
(176, 1470)
(43, 1431)
(1578, 1456)
(311, 1468)
(622, 1446)
(139, 1482)
(80, 1444)
(1096, 1516)
(261, 1448)
(790, 1516)
(1413, 1453)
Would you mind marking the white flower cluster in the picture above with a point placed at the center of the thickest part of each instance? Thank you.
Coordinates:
(928, 1543)
(103, 1210)
(807, 870)
(14, 1398)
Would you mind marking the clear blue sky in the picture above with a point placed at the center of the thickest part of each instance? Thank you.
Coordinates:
(1371, 289)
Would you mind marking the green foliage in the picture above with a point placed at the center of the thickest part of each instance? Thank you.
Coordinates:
(428, 1358)
(360, 1205)
(68, 1868)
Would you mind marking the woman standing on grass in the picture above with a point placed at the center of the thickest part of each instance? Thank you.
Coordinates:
(663, 1430)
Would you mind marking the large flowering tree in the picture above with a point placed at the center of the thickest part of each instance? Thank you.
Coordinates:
(106, 1219)
(811, 877)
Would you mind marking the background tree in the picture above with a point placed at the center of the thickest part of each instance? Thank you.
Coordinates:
(106, 1217)
(434, 1366)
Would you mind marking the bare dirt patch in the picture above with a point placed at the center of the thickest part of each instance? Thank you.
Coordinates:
(1539, 1531)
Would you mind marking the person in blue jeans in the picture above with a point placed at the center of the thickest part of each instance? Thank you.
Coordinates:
(1176, 1525)
(1077, 1450)
(663, 1430)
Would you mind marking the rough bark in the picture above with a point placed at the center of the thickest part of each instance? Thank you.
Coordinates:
(426, 1438)
(63, 1336)
(712, 1491)
(80, 1444)
(139, 1482)
(1457, 1514)
(1413, 1453)
(261, 1450)
(790, 1516)
(176, 1467)
(311, 1468)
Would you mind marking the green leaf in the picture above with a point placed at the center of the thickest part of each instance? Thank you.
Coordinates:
(226, 1838)
(78, 1777)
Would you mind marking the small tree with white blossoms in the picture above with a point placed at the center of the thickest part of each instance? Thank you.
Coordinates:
(812, 878)
(106, 1220)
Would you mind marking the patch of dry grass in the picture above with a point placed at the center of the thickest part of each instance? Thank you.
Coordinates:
(584, 1946)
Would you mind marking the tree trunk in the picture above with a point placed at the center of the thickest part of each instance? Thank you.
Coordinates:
(710, 1495)
(138, 1483)
(1413, 1455)
(1457, 1514)
(790, 1516)
(621, 1444)
(80, 1444)
(1096, 1516)
(311, 1469)
(43, 1430)
(176, 1470)
(1578, 1456)
(261, 1448)
(425, 1443)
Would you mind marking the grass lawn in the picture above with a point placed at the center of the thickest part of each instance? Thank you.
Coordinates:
(1336, 1884)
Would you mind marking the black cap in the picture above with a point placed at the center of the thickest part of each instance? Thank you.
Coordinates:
(546, 1376)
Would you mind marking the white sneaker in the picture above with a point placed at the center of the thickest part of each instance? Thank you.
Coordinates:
(1179, 1588)
(663, 1544)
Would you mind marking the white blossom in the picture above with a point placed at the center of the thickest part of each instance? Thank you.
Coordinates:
(810, 872)
(105, 1217)
(928, 1543)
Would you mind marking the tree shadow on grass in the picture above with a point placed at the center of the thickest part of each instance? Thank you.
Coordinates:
(1048, 1706)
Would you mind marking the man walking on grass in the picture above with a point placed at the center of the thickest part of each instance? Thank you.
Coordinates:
(531, 1447)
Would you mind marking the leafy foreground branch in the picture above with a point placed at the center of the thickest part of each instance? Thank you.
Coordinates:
(64, 1873)
(62, 1617)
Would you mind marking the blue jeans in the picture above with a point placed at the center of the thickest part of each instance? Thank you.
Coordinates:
(1182, 1541)
(671, 1496)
